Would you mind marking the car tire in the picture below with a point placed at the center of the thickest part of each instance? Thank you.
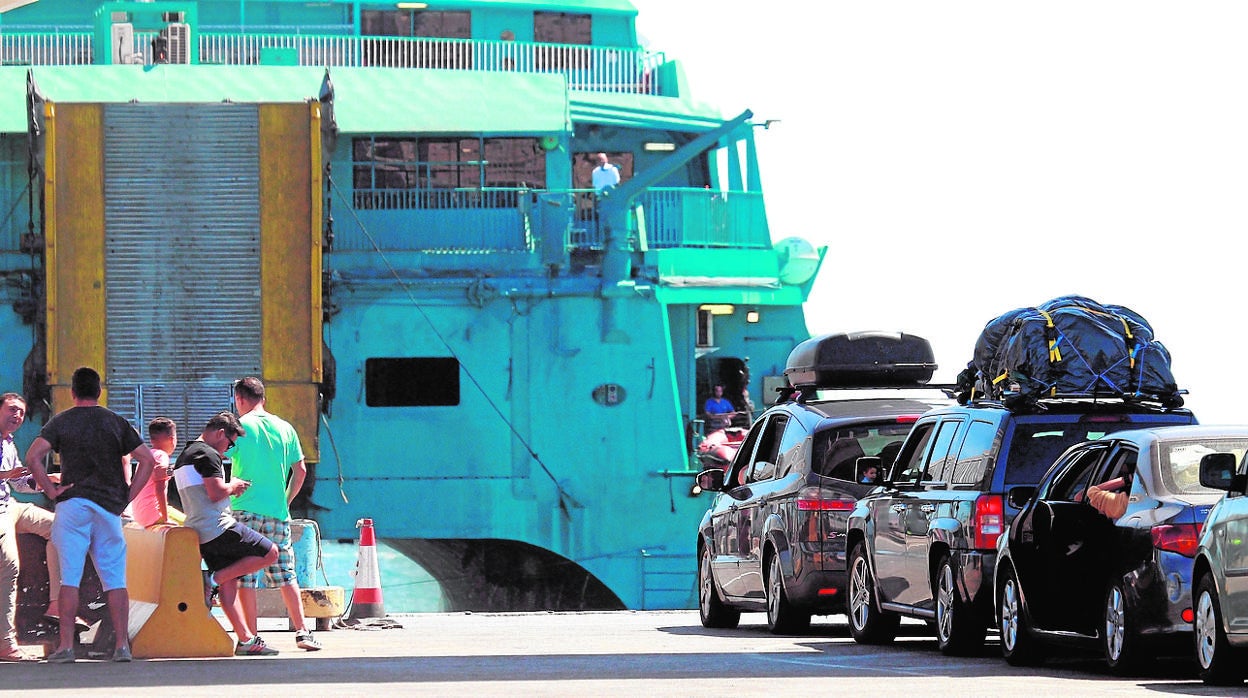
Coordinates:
(958, 630)
(713, 611)
(1018, 646)
(867, 623)
(1217, 662)
(1119, 640)
(782, 617)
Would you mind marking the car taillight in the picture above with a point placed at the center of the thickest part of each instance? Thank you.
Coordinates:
(1177, 538)
(989, 520)
(908, 418)
(812, 499)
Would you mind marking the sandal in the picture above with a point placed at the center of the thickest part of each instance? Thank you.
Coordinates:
(17, 654)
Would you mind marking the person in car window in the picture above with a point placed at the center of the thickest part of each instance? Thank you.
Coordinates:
(1110, 497)
(868, 475)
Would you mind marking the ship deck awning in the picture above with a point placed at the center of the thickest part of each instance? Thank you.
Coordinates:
(643, 111)
(366, 100)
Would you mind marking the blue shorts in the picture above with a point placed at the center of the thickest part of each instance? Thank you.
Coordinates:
(82, 526)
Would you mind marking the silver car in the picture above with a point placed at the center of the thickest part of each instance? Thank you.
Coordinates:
(1220, 574)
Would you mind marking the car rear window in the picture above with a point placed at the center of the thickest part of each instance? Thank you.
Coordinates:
(1036, 445)
(1179, 462)
(836, 450)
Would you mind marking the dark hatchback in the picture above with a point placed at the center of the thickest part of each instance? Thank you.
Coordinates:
(1069, 574)
(773, 538)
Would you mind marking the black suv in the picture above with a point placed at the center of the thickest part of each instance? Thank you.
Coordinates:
(924, 543)
(773, 538)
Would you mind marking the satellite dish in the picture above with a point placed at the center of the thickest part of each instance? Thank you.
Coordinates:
(799, 260)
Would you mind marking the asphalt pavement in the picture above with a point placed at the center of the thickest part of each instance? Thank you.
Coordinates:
(622, 653)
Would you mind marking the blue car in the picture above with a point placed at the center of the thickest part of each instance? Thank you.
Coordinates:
(1072, 569)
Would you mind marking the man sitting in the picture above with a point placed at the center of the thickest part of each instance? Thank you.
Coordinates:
(718, 410)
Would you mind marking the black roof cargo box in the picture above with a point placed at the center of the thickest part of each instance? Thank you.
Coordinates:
(861, 360)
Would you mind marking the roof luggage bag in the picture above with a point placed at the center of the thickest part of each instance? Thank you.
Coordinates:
(861, 360)
(1070, 347)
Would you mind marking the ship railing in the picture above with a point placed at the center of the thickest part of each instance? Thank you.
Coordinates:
(588, 68)
(684, 217)
(45, 48)
(503, 219)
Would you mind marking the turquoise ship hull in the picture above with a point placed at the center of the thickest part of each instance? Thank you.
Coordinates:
(500, 367)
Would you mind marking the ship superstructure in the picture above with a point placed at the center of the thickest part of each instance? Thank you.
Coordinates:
(386, 212)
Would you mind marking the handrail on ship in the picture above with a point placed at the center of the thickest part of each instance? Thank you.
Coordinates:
(500, 219)
(587, 68)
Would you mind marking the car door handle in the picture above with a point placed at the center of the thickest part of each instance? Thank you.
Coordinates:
(927, 508)
(898, 508)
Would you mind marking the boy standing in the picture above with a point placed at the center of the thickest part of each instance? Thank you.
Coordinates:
(152, 505)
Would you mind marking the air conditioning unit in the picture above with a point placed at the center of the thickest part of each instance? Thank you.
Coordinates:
(176, 44)
(122, 34)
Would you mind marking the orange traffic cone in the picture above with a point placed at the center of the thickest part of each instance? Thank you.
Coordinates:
(366, 599)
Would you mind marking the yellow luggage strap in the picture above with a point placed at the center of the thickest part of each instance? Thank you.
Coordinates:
(1055, 354)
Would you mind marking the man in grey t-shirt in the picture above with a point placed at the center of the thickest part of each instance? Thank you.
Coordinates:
(229, 548)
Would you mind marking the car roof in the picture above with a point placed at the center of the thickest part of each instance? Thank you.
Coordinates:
(875, 407)
(1064, 407)
(1181, 433)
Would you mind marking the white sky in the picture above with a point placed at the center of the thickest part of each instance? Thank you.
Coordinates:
(962, 159)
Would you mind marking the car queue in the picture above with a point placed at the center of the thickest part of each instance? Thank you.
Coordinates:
(981, 517)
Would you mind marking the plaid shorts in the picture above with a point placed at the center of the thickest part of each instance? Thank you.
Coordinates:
(283, 572)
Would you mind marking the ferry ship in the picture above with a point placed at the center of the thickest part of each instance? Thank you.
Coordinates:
(386, 211)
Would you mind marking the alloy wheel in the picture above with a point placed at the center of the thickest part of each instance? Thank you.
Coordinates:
(859, 593)
(705, 584)
(1206, 630)
(944, 603)
(1009, 614)
(1115, 623)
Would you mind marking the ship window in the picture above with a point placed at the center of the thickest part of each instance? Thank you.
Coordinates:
(562, 28)
(406, 173)
(416, 24)
(706, 328)
(411, 382)
(431, 24)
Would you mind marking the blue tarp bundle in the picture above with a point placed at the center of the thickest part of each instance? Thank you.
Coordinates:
(1069, 347)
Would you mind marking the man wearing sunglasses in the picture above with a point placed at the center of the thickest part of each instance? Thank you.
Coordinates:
(229, 548)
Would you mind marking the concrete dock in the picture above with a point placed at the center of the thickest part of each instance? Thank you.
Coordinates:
(625, 653)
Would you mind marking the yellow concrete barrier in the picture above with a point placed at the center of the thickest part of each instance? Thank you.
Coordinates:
(168, 617)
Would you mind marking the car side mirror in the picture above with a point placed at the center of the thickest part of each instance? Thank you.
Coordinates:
(710, 480)
(1018, 496)
(1217, 471)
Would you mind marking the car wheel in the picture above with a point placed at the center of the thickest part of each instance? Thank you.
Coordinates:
(714, 612)
(1118, 639)
(782, 617)
(1017, 644)
(1218, 663)
(867, 623)
(958, 630)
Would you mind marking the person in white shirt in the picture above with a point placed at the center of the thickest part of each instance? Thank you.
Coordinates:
(605, 175)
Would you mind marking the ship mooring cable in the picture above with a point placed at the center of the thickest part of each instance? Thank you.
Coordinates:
(566, 500)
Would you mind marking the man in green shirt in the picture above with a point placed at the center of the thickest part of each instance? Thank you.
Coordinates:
(269, 456)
